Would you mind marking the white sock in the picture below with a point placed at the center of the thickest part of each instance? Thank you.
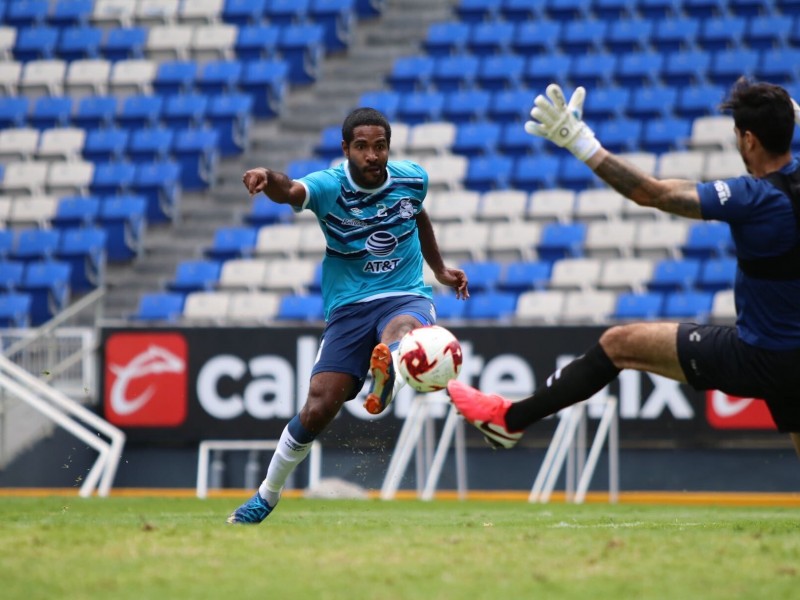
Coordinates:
(287, 456)
(399, 382)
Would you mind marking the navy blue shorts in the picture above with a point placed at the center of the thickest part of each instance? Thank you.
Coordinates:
(713, 357)
(352, 331)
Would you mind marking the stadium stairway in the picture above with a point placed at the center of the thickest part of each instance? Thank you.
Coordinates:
(376, 43)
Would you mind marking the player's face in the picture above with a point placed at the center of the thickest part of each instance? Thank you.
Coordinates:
(368, 154)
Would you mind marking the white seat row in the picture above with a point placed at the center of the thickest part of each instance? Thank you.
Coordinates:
(27, 211)
(124, 13)
(60, 178)
(235, 307)
(27, 143)
(276, 275)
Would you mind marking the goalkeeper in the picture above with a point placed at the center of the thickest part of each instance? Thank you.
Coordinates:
(756, 358)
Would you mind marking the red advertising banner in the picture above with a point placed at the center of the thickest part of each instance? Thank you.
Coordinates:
(731, 412)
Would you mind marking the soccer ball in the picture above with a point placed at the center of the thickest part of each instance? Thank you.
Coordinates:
(429, 358)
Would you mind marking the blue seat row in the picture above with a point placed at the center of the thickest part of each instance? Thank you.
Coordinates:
(45, 283)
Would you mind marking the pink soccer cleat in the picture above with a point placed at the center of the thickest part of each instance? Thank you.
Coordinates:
(486, 411)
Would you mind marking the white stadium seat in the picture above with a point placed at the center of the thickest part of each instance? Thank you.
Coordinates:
(18, 143)
(242, 273)
(609, 239)
(28, 177)
(210, 307)
(431, 138)
(87, 77)
(42, 78)
(253, 307)
(540, 306)
(62, 143)
(68, 178)
(551, 205)
(134, 76)
(575, 273)
(32, 211)
(278, 240)
(213, 42)
(503, 205)
(198, 12)
(513, 241)
(169, 42)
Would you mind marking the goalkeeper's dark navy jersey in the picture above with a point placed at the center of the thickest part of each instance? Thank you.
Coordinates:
(763, 225)
(373, 248)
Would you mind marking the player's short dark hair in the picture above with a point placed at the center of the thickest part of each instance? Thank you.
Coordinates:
(365, 116)
(765, 110)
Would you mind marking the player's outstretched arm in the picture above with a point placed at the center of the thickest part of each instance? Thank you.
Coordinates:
(454, 278)
(278, 187)
(561, 122)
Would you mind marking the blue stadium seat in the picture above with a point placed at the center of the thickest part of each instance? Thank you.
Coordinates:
(483, 276)
(705, 9)
(140, 111)
(542, 70)
(522, 11)
(219, 77)
(573, 175)
(779, 65)
(385, 101)
(7, 238)
(788, 7)
(535, 172)
(70, 13)
(607, 103)
(337, 17)
(15, 309)
(159, 306)
(728, 65)
(629, 34)
(448, 307)
(613, 10)
(443, 39)
(454, 72)
(536, 37)
(30, 13)
(699, 100)
(51, 111)
(511, 106)
(686, 68)
(124, 43)
(48, 283)
(150, 144)
(568, 10)
(76, 43)
(667, 134)
(560, 240)
(523, 276)
(35, 244)
(639, 69)
(123, 217)
(514, 141)
(232, 242)
(34, 43)
(112, 178)
(76, 211)
(750, 8)
(301, 46)
(197, 153)
(490, 37)
(195, 275)
(652, 102)
(264, 211)
(719, 33)
(767, 31)
(257, 42)
(105, 145)
(675, 34)
(672, 274)
(620, 135)
(265, 81)
(315, 286)
(473, 139)
(159, 182)
(13, 112)
(11, 275)
(84, 248)
(463, 106)
(302, 167)
(687, 305)
(595, 69)
(582, 36)
(500, 72)
(491, 305)
(186, 110)
(286, 12)
(420, 107)
(717, 274)
(488, 173)
(300, 307)
(708, 239)
(243, 13)
(635, 306)
(95, 111)
(411, 73)
(476, 11)
(329, 145)
(175, 77)
(231, 115)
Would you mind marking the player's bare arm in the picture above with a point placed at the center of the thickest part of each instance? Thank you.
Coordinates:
(676, 196)
(277, 186)
(454, 278)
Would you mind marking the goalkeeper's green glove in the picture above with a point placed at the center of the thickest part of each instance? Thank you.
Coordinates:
(552, 118)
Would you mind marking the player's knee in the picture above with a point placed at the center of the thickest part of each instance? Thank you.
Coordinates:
(615, 342)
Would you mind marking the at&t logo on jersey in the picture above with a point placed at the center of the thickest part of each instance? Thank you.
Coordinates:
(146, 379)
(381, 243)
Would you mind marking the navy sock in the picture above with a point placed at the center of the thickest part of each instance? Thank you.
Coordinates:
(579, 380)
(300, 434)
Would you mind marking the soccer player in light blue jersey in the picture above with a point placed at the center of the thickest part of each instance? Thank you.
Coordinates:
(377, 235)
(756, 358)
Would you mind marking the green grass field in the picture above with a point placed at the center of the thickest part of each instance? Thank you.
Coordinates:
(152, 548)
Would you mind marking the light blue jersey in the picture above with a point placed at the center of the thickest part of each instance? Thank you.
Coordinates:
(373, 248)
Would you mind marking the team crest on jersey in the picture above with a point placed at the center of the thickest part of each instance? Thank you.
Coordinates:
(406, 208)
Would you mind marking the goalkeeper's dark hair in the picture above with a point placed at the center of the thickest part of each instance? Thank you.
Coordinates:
(365, 116)
(765, 110)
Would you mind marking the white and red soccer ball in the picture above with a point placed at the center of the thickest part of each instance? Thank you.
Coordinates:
(429, 357)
